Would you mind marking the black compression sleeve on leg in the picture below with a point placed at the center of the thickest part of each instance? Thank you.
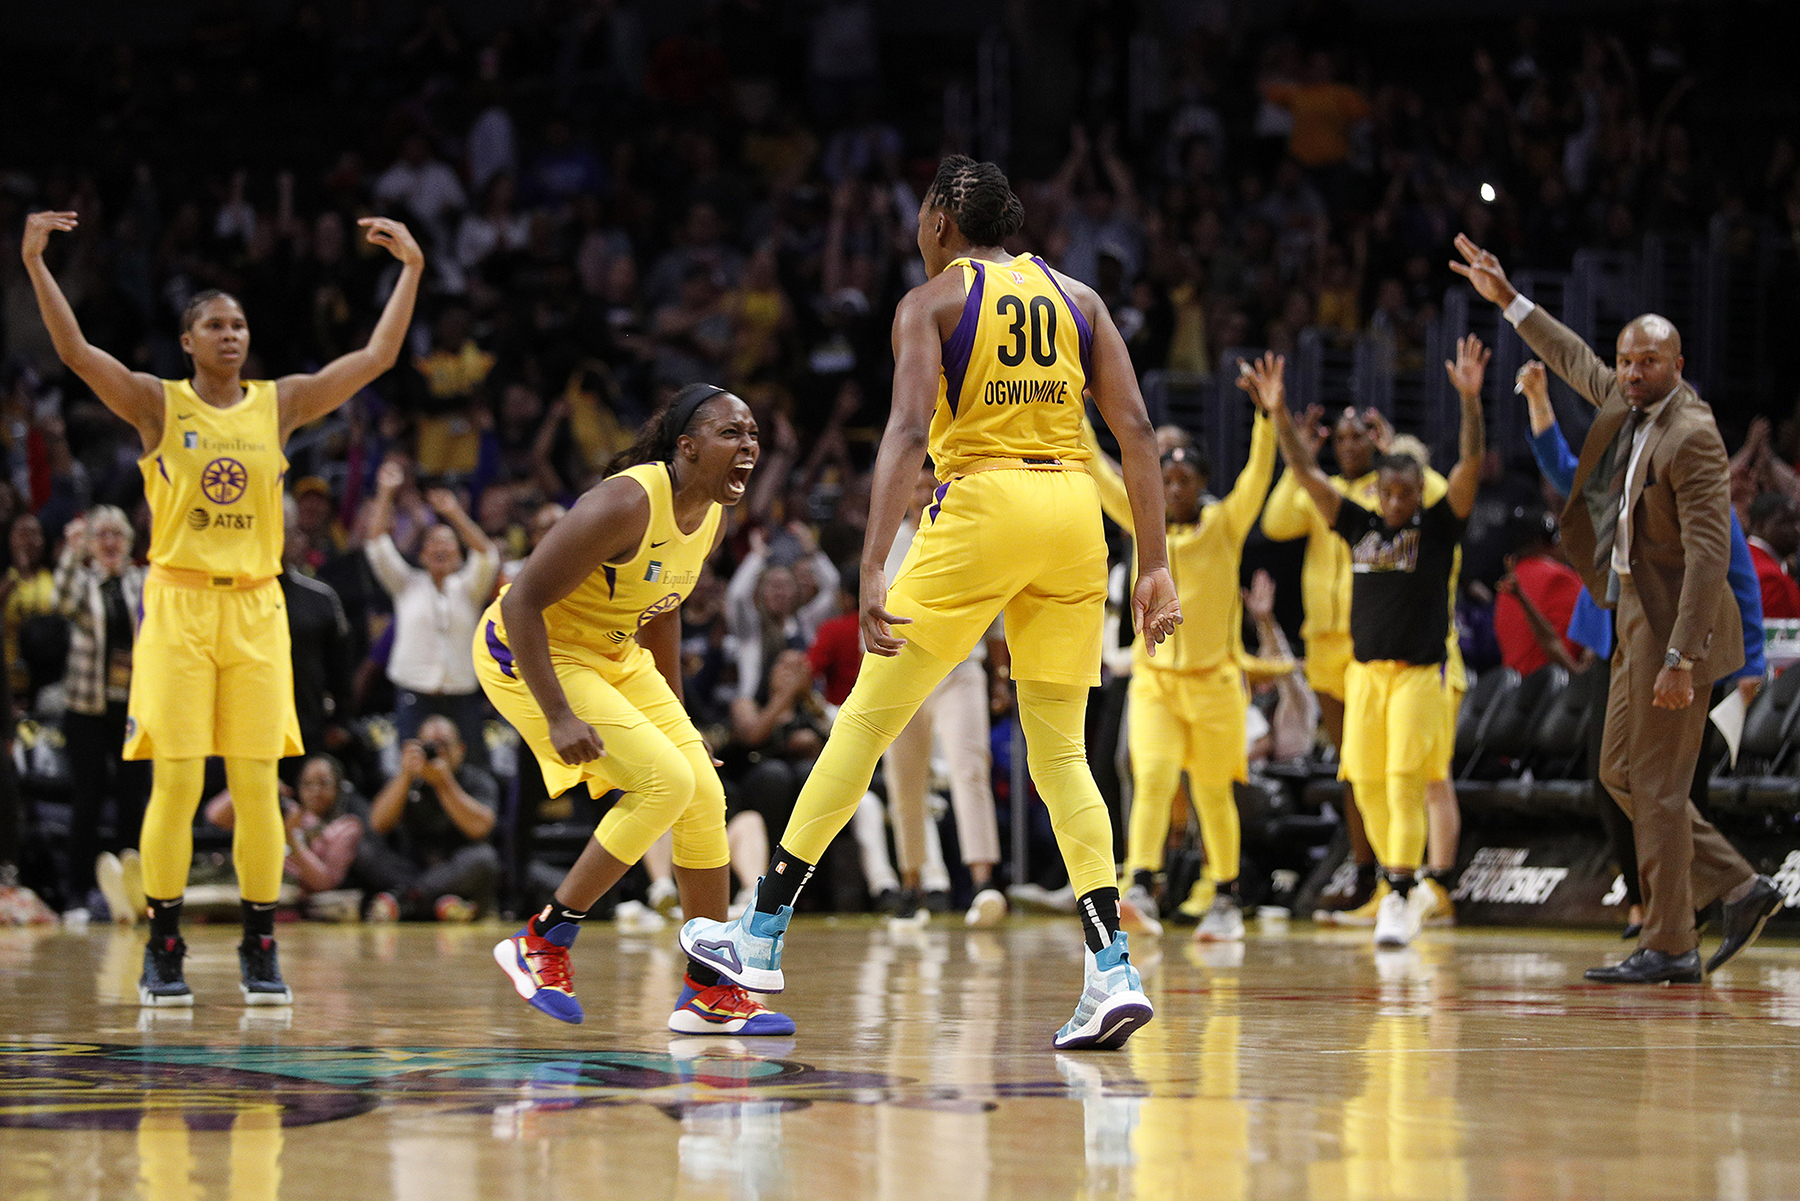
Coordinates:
(787, 876)
(1099, 912)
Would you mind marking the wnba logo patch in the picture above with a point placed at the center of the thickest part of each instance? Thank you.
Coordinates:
(190, 440)
(654, 573)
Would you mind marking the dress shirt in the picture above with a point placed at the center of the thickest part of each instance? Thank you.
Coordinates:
(434, 628)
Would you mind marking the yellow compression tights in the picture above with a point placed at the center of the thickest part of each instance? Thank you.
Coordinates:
(1154, 782)
(667, 786)
(257, 840)
(886, 696)
(1393, 812)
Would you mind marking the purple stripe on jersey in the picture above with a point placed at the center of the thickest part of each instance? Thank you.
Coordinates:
(1081, 324)
(962, 339)
(937, 501)
(612, 579)
(502, 655)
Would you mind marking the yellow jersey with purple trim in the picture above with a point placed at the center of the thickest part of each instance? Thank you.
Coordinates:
(1014, 370)
(606, 610)
(214, 482)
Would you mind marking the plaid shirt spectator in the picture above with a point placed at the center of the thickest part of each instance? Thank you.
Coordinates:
(77, 585)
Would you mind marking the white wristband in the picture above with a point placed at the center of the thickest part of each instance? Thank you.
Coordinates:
(1518, 309)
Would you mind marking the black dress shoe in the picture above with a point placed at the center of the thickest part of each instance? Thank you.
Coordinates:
(1630, 933)
(1740, 922)
(1645, 966)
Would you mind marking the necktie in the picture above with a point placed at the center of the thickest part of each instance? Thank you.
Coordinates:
(1622, 457)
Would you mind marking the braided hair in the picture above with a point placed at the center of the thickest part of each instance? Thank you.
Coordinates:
(656, 440)
(978, 197)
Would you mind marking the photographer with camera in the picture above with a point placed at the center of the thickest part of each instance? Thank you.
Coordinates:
(427, 852)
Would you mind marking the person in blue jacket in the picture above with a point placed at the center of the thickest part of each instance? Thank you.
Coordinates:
(1590, 626)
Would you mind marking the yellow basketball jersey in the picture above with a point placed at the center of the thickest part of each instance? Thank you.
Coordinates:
(612, 604)
(214, 483)
(1014, 370)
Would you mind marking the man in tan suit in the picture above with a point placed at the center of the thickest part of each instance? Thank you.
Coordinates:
(1648, 528)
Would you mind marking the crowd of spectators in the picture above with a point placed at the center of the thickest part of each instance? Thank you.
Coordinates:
(614, 206)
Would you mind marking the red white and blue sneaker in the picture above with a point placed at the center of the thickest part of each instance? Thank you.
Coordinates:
(724, 1008)
(745, 950)
(1112, 1005)
(539, 968)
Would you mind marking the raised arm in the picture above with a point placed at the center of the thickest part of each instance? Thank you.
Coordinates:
(1561, 347)
(1265, 377)
(1155, 609)
(1466, 374)
(1114, 500)
(133, 396)
(1290, 513)
(607, 523)
(1245, 500)
(306, 398)
(484, 557)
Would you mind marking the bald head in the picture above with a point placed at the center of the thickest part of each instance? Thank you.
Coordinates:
(1655, 330)
(1648, 359)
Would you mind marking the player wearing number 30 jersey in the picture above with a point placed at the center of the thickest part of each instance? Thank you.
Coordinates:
(992, 357)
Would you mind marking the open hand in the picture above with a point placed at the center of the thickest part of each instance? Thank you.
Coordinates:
(1470, 367)
(443, 502)
(1313, 430)
(395, 237)
(38, 228)
(1259, 597)
(390, 477)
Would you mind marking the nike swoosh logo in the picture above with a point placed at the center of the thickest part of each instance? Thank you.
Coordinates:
(182, 416)
(654, 545)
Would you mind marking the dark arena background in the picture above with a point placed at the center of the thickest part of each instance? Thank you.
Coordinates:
(616, 199)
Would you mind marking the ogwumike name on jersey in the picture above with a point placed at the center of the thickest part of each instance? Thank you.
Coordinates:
(1025, 391)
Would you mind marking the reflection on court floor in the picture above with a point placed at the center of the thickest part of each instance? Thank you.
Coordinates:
(1301, 1064)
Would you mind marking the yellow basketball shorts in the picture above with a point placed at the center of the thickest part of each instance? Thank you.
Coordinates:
(640, 723)
(1191, 718)
(1024, 542)
(212, 674)
(1393, 719)
(1327, 658)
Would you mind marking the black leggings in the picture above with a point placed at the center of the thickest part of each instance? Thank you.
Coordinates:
(98, 772)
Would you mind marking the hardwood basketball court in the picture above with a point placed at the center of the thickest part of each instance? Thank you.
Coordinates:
(1476, 1063)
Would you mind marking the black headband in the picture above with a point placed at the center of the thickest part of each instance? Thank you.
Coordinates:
(684, 410)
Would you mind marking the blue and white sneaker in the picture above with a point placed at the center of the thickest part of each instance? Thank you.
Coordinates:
(1113, 1004)
(745, 950)
(724, 1008)
(539, 968)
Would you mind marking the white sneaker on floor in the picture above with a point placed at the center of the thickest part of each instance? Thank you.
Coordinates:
(1140, 897)
(1134, 920)
(1224, 922)
(746, 897)
(988, 910)
(664, 896)
(109, 873)
(635, 917)
(1396, 921)
(1037, 897)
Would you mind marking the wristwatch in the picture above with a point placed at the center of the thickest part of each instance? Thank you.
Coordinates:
(1673, 658)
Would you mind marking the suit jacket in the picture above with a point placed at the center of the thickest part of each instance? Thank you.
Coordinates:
(1680, 507)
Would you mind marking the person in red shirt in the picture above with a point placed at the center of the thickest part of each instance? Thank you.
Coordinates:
(1537, 575)
(1774, 535)
(836, 653)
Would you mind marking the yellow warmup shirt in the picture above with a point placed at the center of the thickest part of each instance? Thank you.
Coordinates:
(1325, 571)
(609, 607)
(1204, 560)
(214, 484)
(1031, 347)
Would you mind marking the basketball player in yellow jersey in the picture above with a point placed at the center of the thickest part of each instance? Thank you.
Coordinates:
(1188, 705)
(582, 654)
(212, 672)
(991, 358)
